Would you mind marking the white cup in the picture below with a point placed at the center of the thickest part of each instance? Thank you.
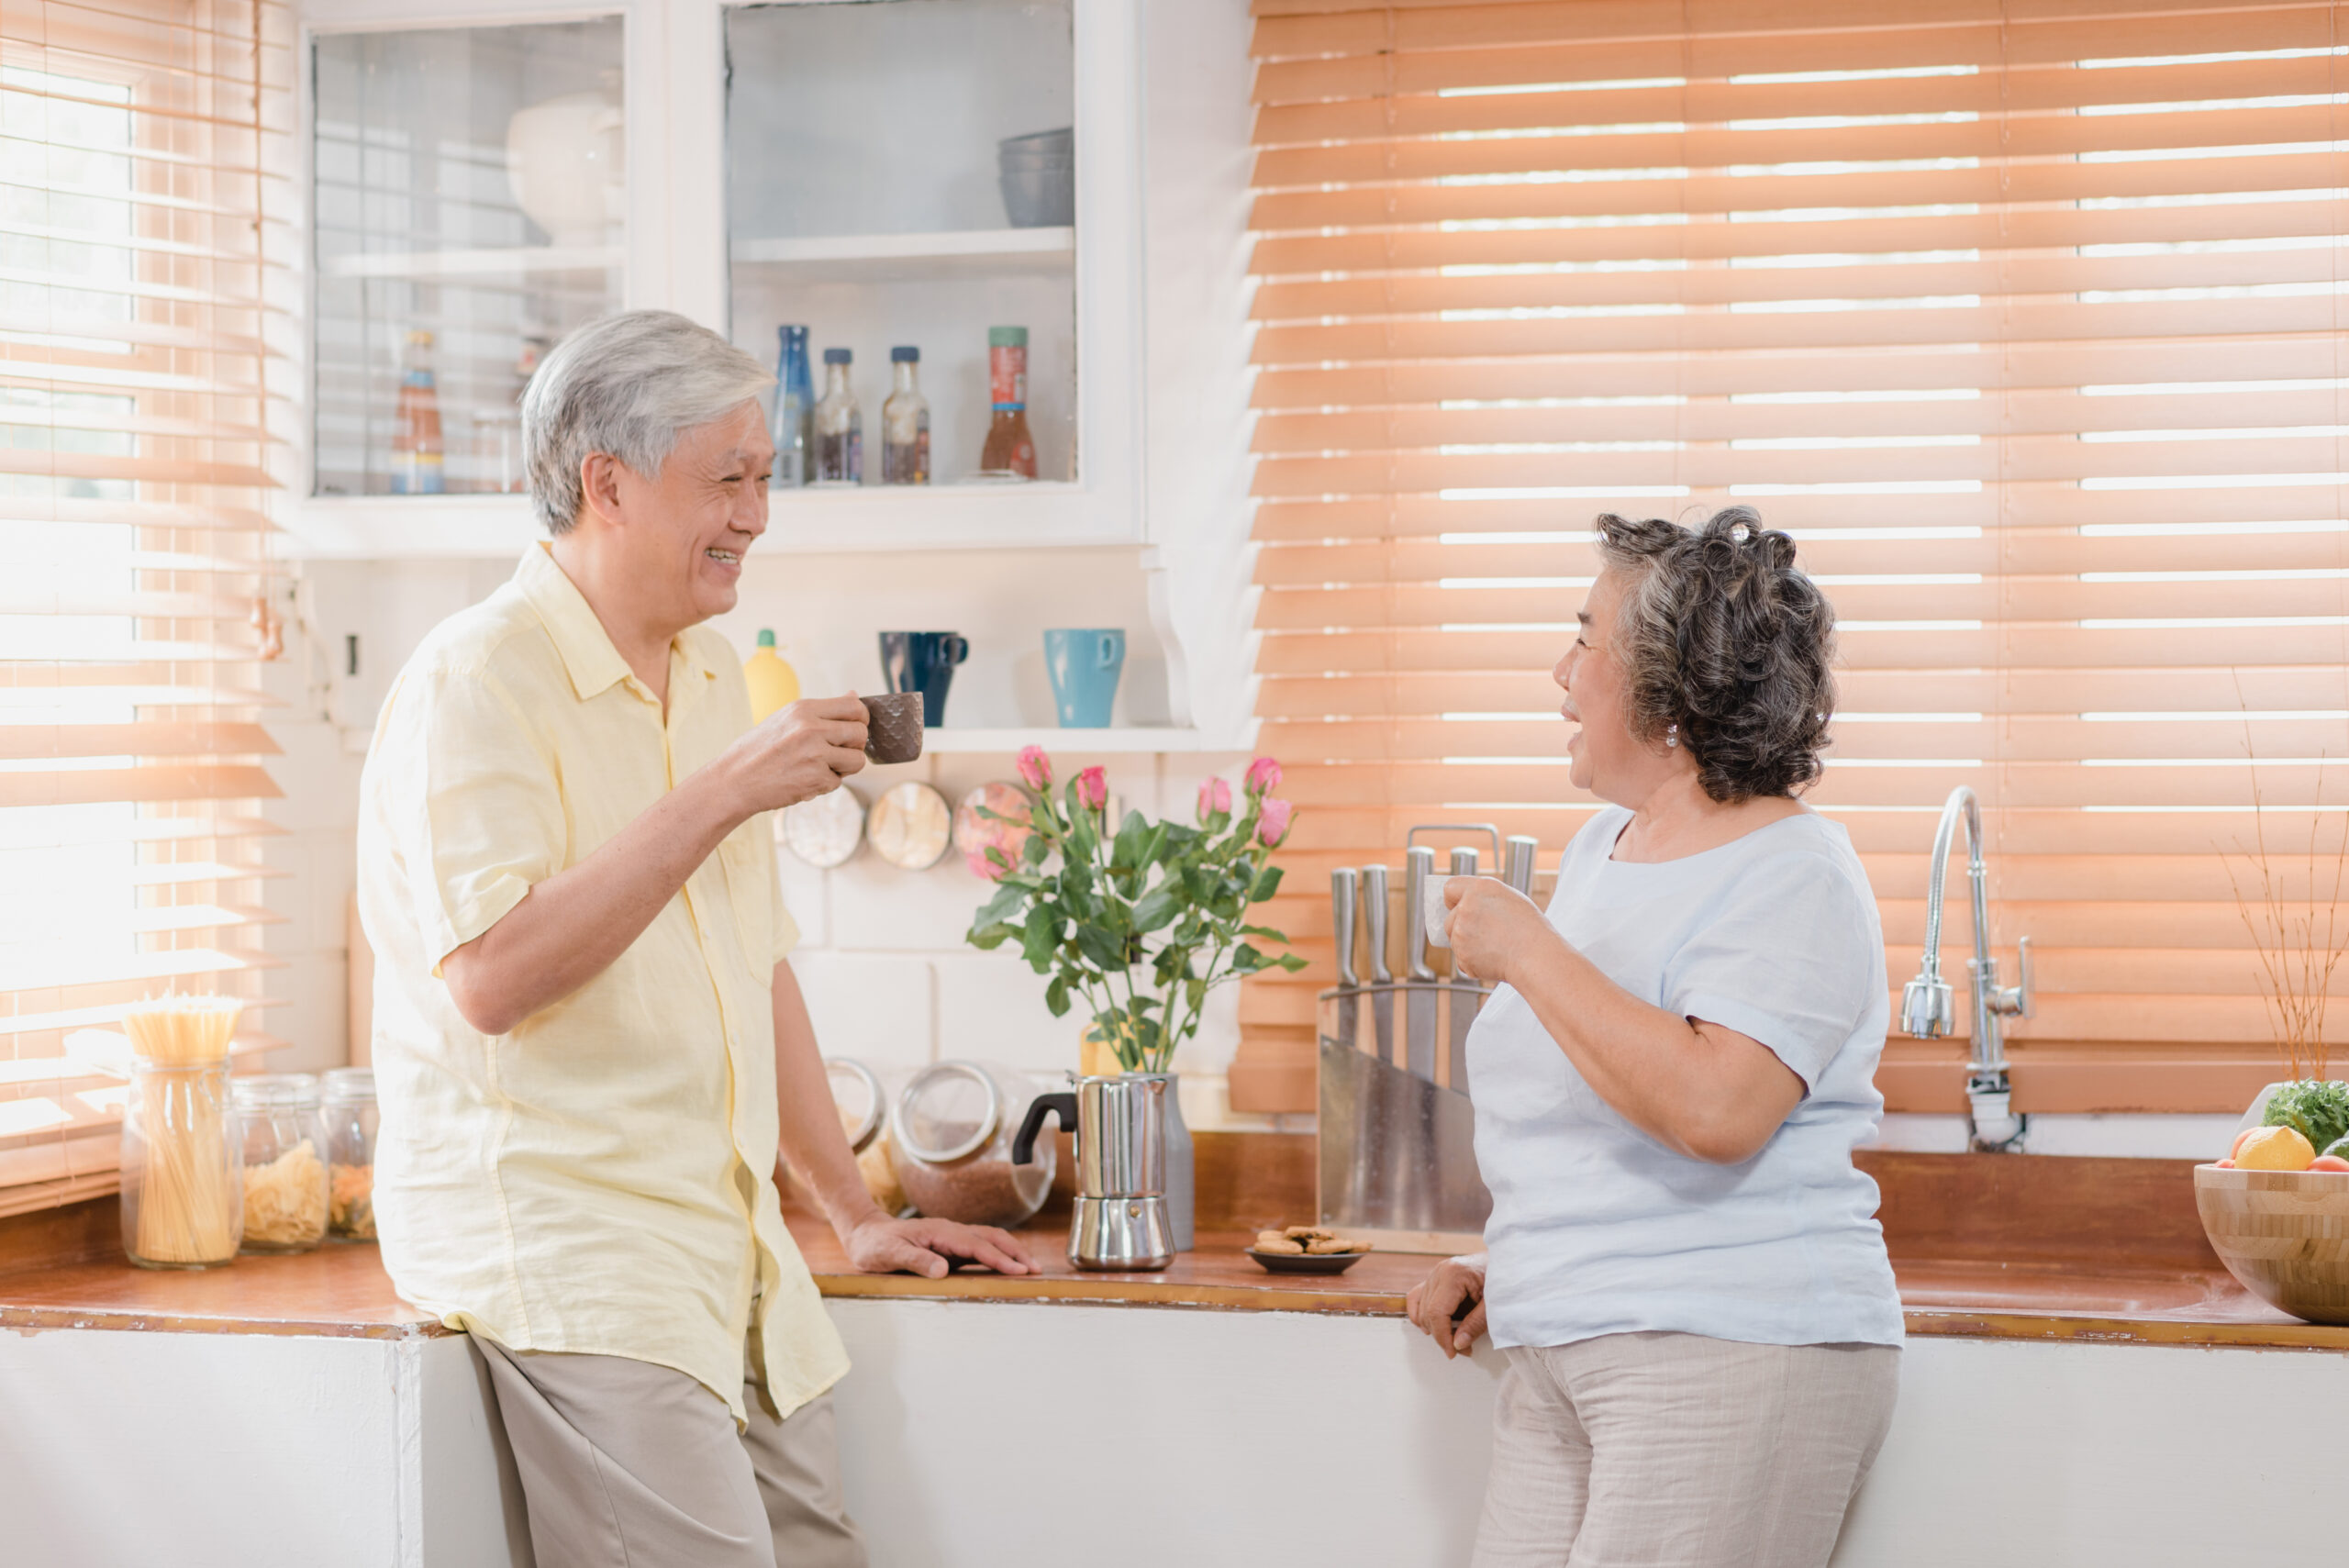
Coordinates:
(1432, 913)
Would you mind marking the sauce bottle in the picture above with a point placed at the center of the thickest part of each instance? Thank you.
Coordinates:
(794, 399)
(840, 425)
(1010, 451)
(416, 422)
(905, 423)
(773, 683)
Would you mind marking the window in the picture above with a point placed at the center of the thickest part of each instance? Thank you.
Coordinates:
(2025, 321)
(139, 222)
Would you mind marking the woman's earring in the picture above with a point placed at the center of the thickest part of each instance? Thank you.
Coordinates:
(1671, 735)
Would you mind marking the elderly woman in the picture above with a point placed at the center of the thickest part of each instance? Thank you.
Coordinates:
(1682, 1267)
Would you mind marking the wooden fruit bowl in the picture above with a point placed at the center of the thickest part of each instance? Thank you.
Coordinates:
(2284, 1234)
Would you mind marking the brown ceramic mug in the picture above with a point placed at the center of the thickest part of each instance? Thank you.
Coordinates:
(893, 726)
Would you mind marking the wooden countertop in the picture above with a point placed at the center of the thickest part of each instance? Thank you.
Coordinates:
(343, 1291)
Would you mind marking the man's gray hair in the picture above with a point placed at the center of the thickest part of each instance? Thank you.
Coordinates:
(626, 385)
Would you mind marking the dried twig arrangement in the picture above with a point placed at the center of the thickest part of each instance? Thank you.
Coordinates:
(2300, 944)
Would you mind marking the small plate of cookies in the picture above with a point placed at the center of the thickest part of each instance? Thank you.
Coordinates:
(1306, 1249)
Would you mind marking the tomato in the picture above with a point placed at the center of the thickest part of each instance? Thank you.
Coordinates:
(2226, 1164)
(2236, 1148)
(2329, 1162)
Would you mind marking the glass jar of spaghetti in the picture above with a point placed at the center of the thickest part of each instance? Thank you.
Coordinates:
(349, 1102)
(183, 1192)
(284, 1142)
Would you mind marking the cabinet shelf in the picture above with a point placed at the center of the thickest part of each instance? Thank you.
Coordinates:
(865, 257)
(866, 520)
(1119, 741)
(513, 260)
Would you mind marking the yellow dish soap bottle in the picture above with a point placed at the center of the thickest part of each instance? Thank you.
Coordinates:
(773, 683)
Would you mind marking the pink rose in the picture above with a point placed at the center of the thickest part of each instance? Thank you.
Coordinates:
(1214, 796)
(980, 866)
(1035, 767)
(1273, 821)
(1093, 789)
(1263, 776)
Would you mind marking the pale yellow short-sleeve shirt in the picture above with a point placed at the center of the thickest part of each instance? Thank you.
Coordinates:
(599, 1180)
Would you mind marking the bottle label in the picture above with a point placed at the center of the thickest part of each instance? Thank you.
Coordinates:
(1008, 377)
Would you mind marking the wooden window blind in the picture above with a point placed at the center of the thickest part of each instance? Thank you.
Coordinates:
(144, 199)
(2025, 319)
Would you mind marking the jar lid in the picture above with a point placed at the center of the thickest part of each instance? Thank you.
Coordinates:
(947, 1110)
(857, 1094)
(351, 1084)
(275, 1091)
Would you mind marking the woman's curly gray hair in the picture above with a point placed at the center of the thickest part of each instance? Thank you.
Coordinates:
(1720, 635)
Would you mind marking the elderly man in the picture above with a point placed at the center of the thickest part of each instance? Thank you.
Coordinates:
(587, 1041)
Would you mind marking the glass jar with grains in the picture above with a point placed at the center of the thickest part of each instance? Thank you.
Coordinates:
(285, 1171)
(350, 1153)
(952, 1134)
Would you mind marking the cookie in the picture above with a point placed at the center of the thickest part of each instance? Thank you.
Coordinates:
(1283, 1245)
(1329, 1246)
(1308, 1233)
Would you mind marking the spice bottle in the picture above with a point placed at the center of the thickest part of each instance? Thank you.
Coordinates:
(840, 425)
(1010, 451)
(351, 1119)
(416, 422)
(794, 400)
(284, 1155)
(905, 422)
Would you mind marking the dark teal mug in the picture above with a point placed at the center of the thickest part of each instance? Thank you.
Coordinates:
(923, 661)
(1084, 665)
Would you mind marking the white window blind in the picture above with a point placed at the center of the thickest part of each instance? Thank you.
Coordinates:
(2024, 320)
(144, 202)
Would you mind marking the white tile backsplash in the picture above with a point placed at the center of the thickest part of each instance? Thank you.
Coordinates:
(879, 1007)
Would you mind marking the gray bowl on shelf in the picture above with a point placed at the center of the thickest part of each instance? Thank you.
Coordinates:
(1037, 174)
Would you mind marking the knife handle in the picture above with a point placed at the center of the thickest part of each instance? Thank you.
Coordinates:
(1419, 863)
(1345, 895)
(1516, 868)
(1374, 923)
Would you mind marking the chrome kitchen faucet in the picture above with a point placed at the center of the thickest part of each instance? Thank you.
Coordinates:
(1928, 1008)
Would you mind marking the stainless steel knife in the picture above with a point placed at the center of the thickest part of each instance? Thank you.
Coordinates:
(1466, 994)
(1374, 931)
(1419, 999)
(1345, 895)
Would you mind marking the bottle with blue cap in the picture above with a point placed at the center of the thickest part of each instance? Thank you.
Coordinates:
(905, 422)
(840, 425)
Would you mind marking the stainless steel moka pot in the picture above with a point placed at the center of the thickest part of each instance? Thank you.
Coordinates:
(1120, 1221)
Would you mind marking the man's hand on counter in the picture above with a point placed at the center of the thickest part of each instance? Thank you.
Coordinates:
(881, 1245)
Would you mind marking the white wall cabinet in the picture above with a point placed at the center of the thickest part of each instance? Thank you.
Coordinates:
(825, 163)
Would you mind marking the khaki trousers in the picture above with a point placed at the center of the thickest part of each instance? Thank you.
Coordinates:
(1675, 1451)
(627, 1465)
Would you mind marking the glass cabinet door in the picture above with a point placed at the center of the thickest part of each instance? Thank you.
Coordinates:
(901, 177)
(470, 187)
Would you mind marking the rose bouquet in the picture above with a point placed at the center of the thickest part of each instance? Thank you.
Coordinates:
(1141, 922)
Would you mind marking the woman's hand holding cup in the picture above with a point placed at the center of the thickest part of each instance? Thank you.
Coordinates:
(1490, 924)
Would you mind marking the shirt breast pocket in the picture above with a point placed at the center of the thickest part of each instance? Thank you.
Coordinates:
(749, 895)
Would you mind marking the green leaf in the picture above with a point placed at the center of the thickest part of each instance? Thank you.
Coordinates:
(1101, 947)
(1033, 850)
(1157, 908)
(1056, 996)
(1006, 900)
(1291, 962)
(1267, 883)
(986, 939)
(1038, 940)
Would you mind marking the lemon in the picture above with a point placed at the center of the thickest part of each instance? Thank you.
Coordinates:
(2273, 1149)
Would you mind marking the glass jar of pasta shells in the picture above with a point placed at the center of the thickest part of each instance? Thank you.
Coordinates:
(284, 1140)
(350, 1153)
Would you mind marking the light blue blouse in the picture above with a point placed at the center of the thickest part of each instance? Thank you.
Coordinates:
(1597, 1228)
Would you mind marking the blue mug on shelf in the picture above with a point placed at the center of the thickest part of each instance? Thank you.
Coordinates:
(1084, 665)
(923, 661)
